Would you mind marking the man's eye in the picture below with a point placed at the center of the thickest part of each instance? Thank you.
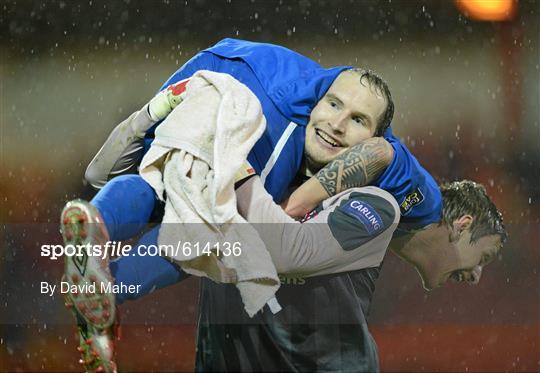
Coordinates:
(333, 104)
(358, 120)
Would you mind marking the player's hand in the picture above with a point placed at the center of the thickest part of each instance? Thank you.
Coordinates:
(165, 101)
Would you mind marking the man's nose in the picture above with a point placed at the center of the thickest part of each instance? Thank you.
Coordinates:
(338, 123)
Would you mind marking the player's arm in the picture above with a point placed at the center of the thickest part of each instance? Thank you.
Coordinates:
(123, 150)
(340, 237)
(357, 167)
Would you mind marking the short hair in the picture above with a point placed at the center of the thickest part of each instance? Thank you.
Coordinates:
(466, 197)
(381, 87)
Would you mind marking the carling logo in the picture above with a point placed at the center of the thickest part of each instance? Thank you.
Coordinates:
(365, 214)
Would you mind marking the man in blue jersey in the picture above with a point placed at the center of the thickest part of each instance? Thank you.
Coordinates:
(326, 136)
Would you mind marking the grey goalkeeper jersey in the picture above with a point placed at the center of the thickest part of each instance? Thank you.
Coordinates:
(328, 264)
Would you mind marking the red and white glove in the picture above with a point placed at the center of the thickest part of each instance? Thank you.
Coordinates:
(165, 101)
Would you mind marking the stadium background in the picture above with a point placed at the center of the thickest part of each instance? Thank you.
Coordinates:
(467, 97)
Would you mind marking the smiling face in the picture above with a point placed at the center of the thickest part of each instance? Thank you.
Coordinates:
(348, 114)
(473, 257)
(469, 235)
(460, 259)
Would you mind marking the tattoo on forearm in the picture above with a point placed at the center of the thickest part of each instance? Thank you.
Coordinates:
(357, 167)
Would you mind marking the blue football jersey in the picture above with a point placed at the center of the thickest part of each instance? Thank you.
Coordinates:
(286, 83)
(289, 85)
(414, 189)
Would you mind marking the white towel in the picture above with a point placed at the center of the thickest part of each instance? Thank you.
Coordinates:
(197, 151)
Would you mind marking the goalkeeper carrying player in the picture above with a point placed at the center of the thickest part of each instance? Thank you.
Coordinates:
(316, 117)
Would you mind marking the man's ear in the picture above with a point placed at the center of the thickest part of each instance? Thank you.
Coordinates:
(462, 223)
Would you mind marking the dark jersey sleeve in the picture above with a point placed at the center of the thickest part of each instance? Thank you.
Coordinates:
(360, 218)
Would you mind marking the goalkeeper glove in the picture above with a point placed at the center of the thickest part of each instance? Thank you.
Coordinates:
(165, 101)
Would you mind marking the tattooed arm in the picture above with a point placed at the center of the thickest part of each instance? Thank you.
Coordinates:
(356, 167)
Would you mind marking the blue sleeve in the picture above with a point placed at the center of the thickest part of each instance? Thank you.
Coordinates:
(414, 189)
(293, 82)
